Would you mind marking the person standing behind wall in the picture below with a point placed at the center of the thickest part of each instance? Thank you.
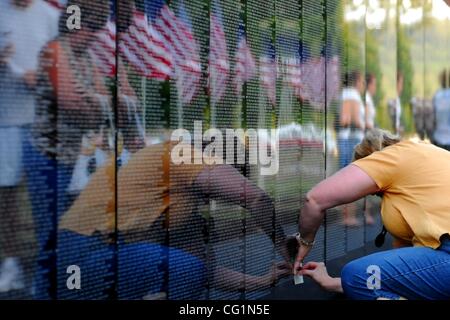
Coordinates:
(68, 108)
(441, 109)
(395, 106)
(352, 124)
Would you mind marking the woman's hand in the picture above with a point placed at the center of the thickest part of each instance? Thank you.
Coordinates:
(318, 272)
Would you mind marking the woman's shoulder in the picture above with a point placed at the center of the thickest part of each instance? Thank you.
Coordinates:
(409, 149)
(401, 145)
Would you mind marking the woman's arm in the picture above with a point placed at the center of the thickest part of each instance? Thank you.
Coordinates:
(225, 183)
(347, 185)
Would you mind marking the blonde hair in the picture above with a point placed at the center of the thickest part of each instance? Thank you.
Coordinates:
(374, 140)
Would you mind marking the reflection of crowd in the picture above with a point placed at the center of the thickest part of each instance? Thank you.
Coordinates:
(352, 119)
(56, 115)
(353, 116)
(58, 132)
(25, 27)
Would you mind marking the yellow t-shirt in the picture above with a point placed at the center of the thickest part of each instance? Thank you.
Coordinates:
(415, 180)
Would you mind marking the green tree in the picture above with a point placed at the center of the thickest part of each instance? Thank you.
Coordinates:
(373, 63)
(405, 67)
(353, 53)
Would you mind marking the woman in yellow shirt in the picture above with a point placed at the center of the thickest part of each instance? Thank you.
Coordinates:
(413, 179)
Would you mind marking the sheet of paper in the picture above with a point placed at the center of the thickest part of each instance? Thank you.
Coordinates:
(298, 279)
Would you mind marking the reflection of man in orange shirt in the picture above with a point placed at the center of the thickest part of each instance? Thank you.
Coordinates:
(158, 226)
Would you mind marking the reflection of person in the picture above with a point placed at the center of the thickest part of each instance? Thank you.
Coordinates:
(154, 196)
(371, 83)
(411, 178)
(25, 27)
(68, 108)
(441, 108)
(129, 126)
(352, 124)
(351, 117)
(424, 121)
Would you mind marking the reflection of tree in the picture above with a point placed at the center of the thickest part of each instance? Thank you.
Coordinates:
(373, 63)
(353, 48)
(424, 5)
(405, 67)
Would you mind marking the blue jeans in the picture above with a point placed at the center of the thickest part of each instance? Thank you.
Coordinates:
(47, 182)
(412, 273)
(346, 147)
(137, 270)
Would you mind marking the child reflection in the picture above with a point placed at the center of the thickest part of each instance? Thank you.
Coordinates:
(154, 196)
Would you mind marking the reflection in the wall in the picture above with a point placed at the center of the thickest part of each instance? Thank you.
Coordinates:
(87, 181)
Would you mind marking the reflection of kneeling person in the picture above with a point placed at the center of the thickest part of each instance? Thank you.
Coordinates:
(413, 179)
(153, 195)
